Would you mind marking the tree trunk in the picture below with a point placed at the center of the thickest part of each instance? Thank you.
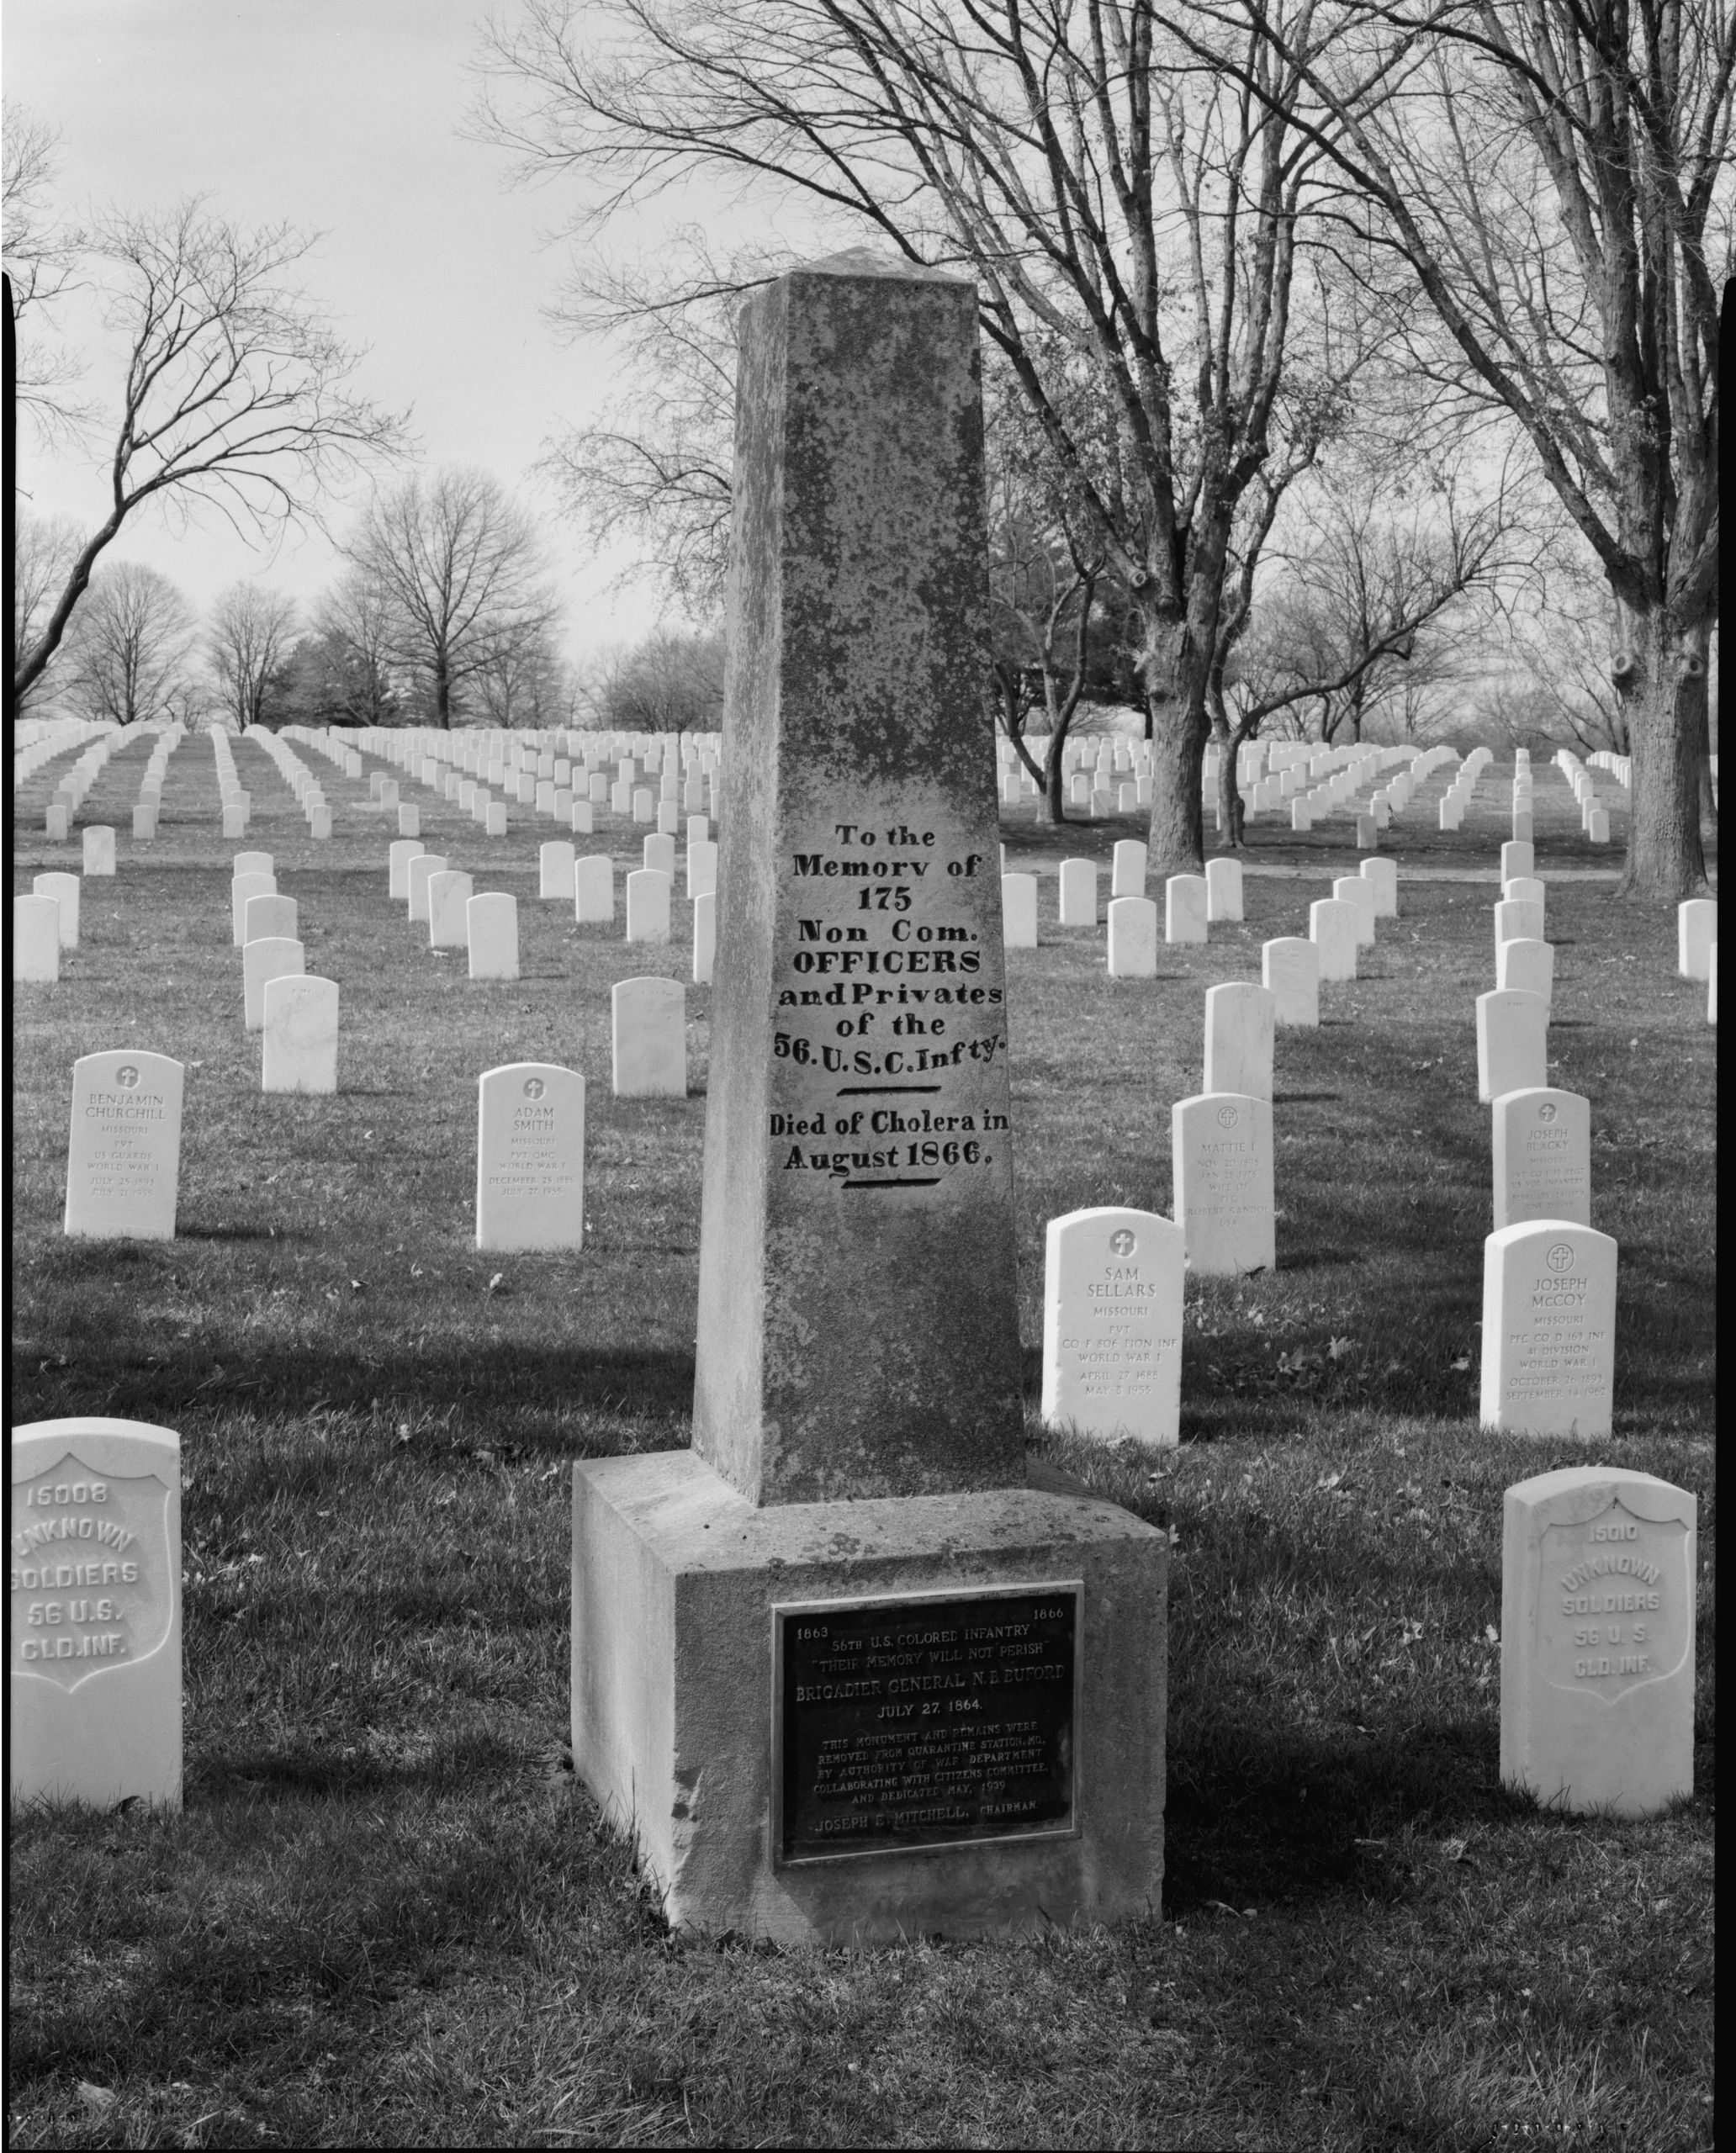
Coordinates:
(1177, 840)
(442, 699)
(1660, 676)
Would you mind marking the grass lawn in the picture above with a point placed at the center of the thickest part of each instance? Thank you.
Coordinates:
(387, 1916)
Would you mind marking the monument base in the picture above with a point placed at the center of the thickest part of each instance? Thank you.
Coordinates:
(1036, 1768)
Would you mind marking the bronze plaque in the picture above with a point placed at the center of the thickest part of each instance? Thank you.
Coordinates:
(925, 1720)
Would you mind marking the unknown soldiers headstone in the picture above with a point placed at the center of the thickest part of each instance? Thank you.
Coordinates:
(1598, 1571)
(124, 1157)
(94, 1657)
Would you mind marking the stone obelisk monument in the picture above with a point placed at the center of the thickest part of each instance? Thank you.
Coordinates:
(843, 1669)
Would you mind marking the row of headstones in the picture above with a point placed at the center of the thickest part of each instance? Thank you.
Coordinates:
(37, 741)
(533, 770)
(71, 790)
(1597, 1624)
(440, 897)
(124, 1145)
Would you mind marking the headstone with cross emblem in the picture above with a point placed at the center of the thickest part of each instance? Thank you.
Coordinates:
(1112, 1324)
(1598, 1573)
(851, 1668)
(124, 1156)
(93, 1660)
(1542, 1157)
(1548, 1330)
(530, 1158)
(1221, 1156)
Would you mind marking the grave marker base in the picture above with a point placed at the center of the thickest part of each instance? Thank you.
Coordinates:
(675, 1580)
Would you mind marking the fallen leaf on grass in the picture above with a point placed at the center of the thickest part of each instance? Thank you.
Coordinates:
(95, 2097)
(1454, 1850)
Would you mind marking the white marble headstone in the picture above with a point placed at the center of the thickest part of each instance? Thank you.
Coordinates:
(1184, 908)
(1334, 928)
(1513, 1042)
(1223, 890)
(36, 940)
(1548, 1330)
(398, 855)
(240, 889)
(1018, 911)
(1078, 893)
(555, 870)
(1527, 966)
(1542, 1157)
(593, 889)
(421, 868)
(273, 916)
(530, 1158)
(268, 957)
(1599, 1566)
(99, 849)
(491, 932)
(1290, 970)
(449, 894)
(65, 890)
(1112, 1324)
(1133, 938)
(300, 1031)
(1221, 1150)
(1240, 1020)
(705, 937)
(1127, 873)
(123, 1154)
(649, 1028)
(94, 1657)
(647, 905)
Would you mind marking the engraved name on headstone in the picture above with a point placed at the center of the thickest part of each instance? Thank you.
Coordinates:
(530, 1158)
(1112, 1324)
(123, 1156)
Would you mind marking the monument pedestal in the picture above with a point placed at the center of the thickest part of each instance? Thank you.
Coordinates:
(851, 1721)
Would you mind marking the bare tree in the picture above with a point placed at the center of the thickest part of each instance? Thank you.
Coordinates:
(43, 553)
(525, 682)
(459, 568)
(1558, 180)
(131, 658)
(1131, 216)
(656, 470)
(1365, 606)
(42, 260)
(670, 681)
(236, 393)
(248, 641)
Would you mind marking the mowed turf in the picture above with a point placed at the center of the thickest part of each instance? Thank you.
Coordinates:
(387, 1915)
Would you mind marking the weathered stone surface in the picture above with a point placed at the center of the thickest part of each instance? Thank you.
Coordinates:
(300, 1051)
(94, 1661)
(650, 1038)
(675, 1577)
(1598, 1571)
(1018, 911)
(857, 1317)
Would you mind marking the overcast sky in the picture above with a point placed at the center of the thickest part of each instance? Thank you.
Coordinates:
(344, 115)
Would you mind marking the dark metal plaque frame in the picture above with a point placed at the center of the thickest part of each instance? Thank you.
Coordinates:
(788, 1755)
